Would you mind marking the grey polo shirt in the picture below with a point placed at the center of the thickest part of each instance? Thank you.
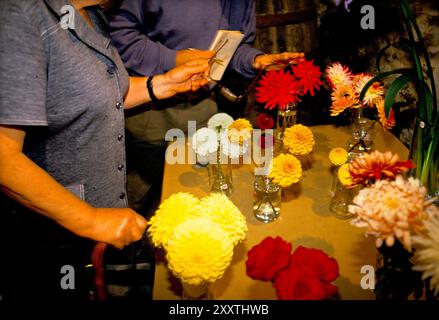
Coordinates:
(66, 87)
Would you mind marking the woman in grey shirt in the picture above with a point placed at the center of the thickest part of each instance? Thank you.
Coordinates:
(63, 92)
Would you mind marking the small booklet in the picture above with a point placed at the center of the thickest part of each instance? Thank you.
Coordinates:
(224, 46)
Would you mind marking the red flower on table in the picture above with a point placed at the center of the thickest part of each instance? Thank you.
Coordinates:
(266, 259)
(265, 121)
(301, 283)
(319, 262)
(309, 76)
(277, 89)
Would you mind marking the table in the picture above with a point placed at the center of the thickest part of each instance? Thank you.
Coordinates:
(305, 220)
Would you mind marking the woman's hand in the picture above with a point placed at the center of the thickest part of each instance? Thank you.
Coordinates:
(188, 77)
(117, 227)
(277, 61)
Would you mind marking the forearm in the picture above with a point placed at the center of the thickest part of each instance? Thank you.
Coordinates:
(28, 184)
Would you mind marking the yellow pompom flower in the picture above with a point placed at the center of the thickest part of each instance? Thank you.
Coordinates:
(338, 156)
(221, 210)
(344, 175)
(173, 211)
(199, 251)
(299, 139)
(285, 170)
(240, 130)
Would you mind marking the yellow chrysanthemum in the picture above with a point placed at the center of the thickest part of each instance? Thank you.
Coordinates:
(299, 139)
(344, 175)
(199, 251)
(338, 156)
(373, 94)
(240, 130)
(173, 211)
(343, 97)
(285, 170)
(221, 210)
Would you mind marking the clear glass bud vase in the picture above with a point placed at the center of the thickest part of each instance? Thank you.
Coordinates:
(267, 199)
(220, 174)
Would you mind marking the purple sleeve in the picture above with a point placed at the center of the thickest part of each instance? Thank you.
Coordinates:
(245, 54)
(140, 54)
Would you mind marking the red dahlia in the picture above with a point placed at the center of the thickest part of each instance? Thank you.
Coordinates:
(309, 76)
(265, 121)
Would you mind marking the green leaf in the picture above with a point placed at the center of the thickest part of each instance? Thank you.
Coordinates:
(425, 102)
(381, 76)
(394, 90)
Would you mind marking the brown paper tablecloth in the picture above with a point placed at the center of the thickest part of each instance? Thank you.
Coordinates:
(305, 220)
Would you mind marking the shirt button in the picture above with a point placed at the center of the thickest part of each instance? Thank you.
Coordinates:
(120, 167)
(122, 196)
(118, 105)
(120, 137)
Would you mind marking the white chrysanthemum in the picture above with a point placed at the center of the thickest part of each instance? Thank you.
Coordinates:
(219, 122)
(233, 149)
(427, 249)
(204, 142)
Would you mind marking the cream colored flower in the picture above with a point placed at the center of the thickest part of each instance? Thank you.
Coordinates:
(373, 94)
(176, 209)
(391, 210)
(427, 249)
(233, 149)
(204, 142)
(199, 251)
(219, 122)
(221, 210)
(299, 139)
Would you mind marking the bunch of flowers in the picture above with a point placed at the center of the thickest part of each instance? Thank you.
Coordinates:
(279, 88)
(307, 274)
(346, 91)
(198, 235)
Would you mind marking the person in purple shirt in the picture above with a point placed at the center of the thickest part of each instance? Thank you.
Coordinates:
(153, 36)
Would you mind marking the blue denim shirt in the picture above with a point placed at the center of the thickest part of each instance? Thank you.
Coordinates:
(66, 87)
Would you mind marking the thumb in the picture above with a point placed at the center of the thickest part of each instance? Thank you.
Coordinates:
(141, 222)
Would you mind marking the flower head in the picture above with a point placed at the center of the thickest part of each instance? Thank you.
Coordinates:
(277, 89)
(219, 122)
(427, 249)
(267, 258)
(389, 122)
(339, 75)
(373, 94)
(265, 121)
(391, 209)
(343, 97)
(285, 170)
(309, 76)
(240, 130)
(299, 139)
(199, 251)
(344, 175)
(221, 210)
(375, 165)
(204, 141)
(338, 156)
(176, 209)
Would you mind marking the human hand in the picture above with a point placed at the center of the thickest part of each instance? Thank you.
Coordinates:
(189, 76)
(277, 61)
(116, 226)
(186, 55)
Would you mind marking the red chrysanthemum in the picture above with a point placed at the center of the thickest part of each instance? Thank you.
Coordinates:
(277, 89)
(302, 284)
(319, 262)
(265, 121)
(309, 76)
(266, 259)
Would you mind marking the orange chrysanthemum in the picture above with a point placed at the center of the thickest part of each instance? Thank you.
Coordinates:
(299, 139)
(373, 94)
(389, 122)
(277, 89)
(339, 75)
(343, 97)
(375, 165)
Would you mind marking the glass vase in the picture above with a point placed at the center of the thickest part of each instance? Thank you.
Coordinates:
(362, 130)
(341, 198)
(202, 291)
(267, 199)
(220, 174)
(285, 119)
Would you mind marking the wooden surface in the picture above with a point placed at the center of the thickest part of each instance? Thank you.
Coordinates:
(304, 220)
